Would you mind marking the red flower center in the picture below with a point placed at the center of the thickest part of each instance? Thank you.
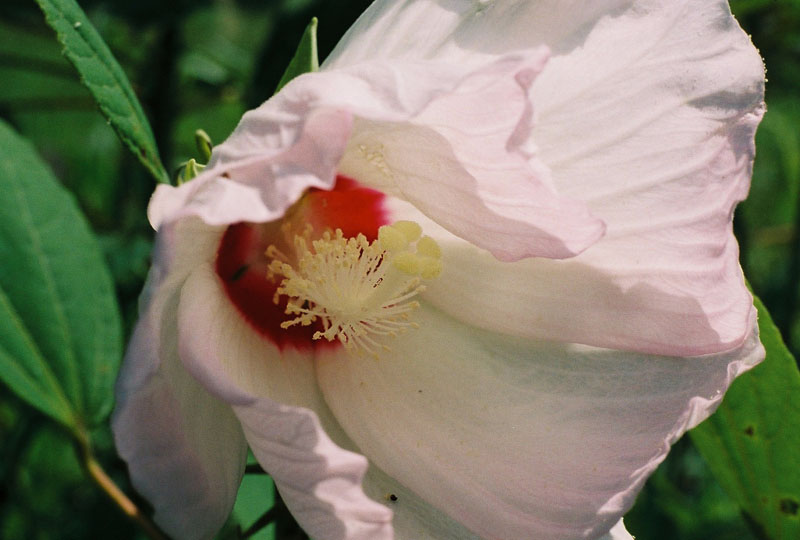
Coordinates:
(242, 263)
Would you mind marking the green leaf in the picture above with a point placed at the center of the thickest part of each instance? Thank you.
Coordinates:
(751, 443)
(104, 78)
(255, 497)
(305, 59)
(60, 331)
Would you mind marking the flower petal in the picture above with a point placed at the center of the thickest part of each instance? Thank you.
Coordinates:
(618, 532)
(573, 301)
(319, 481)
(666, 101)
(517, 438)
(651, 122)
(229, 357)
(463, 29)
(414, 519)
(423, 131)
(185, 448)
(262, 169)
(466, 162)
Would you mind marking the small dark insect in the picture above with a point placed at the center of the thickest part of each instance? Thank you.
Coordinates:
(393, 497)
(239, 272)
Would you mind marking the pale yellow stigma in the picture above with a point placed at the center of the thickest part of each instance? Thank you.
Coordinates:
(360, 291)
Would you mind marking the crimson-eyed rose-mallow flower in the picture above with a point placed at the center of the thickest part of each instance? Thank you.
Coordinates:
(471, 279)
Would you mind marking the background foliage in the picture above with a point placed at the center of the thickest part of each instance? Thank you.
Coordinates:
(201, 64)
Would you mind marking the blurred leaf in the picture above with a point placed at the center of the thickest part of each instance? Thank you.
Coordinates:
(50, 497)
(769, 219)
(682, 500)
(777, 169)
(751, 442)
(254, 498)
(105, 79)
(59, 321)
(305, 59)
(744, 7)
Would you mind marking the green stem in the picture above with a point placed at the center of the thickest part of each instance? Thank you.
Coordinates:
(105, 483)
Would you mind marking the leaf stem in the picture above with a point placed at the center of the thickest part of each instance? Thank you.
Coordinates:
(128, 507)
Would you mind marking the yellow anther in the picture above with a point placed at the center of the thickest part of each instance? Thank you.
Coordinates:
(427, 246)
(410, 229)
(391, 239)
(360, 292)
(408, 263)
(429, 267)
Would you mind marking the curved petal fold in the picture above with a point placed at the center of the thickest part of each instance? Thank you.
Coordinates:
(184, 448)
(468, 31)
(465, 160)
(675, 98)
(666, 100)
(574, 301)
(262, 169)
(454, 142)
(319, 481)
(647, 113)
(579, 166)
(618, 532)
(537, 439)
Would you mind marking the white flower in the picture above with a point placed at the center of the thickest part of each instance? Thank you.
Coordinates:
(575, 305)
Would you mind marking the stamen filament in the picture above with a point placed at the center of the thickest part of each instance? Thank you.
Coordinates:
(357, 289)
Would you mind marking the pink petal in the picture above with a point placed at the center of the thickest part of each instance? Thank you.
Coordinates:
(468, 32)
(464, 161)
(277, 153)
(666, 103)
(618, 532)
(652, 126)
(450, 140)
(184, 448)
(319, 481)
(572, 301)
(414, 518)
(517, 438)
